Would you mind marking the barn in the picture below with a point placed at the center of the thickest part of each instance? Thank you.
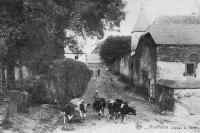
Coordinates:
(166, 65)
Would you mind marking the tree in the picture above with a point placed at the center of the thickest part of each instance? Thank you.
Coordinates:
(114, 48)
(37, 28)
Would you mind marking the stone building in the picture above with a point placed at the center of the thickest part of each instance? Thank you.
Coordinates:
(125, 64)
(167, 63)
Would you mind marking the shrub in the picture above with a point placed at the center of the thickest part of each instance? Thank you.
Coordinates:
(65, 79)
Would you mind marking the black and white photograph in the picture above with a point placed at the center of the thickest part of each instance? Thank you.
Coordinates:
(99, 66)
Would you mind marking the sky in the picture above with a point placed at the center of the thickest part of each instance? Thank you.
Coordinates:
(153, 9)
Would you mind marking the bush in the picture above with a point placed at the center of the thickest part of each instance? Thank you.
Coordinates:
(65, 79)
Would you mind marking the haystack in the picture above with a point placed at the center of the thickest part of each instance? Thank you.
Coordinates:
(64, 80)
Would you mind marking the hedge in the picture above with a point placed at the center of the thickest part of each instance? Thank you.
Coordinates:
(64, 80)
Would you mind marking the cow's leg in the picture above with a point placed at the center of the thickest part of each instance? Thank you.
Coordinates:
(94, 107)
(103, 112)
(115, 119)
(64, 119)
(124, 120)
(81, 115)
(84, 115)
(108, 117)
(100, 114)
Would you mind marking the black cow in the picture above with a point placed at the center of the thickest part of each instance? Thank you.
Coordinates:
(119, 108)
(99, 105)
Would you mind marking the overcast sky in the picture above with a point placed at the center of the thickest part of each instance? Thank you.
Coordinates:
(153, 8)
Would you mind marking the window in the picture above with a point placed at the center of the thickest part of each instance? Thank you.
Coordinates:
(76, 57)
(190, 69)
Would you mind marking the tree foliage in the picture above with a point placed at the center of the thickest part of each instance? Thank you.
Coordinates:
(114, 48)
(36, 29)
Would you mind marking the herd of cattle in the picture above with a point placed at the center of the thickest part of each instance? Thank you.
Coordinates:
(117, 108)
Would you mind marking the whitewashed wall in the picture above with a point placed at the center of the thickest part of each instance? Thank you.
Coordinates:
(175, 71)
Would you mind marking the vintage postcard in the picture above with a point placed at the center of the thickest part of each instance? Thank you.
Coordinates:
(99, 66)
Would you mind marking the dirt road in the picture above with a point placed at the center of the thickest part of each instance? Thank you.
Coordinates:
(146, 120)
(42, 119)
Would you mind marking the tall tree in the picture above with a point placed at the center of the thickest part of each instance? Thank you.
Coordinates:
(37, 28)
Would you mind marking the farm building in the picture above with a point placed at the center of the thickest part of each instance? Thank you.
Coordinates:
(166, 64)
(125, 64)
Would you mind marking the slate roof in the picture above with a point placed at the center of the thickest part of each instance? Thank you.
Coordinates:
(175, 33)
(179, 84)
(178, 19)
(141, 23)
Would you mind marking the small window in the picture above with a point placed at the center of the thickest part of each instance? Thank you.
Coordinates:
(76, 57)
(190, 68)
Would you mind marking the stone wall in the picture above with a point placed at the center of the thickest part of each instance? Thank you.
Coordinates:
(178, 53)
(144, 66)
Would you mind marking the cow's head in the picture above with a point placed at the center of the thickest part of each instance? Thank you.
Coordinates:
(131, 110)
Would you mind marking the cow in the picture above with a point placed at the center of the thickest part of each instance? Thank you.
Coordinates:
(118, 108)
(81, 107)
(99, 105)
(69, 112)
